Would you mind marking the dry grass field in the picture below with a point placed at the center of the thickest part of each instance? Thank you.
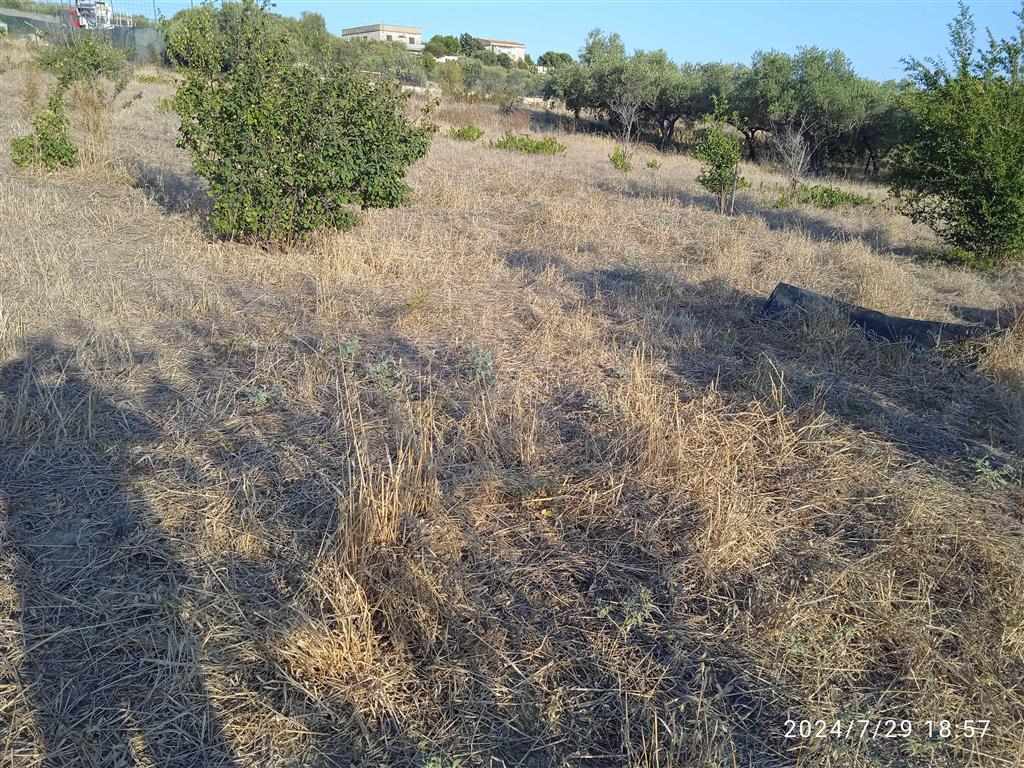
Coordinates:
(517, 475)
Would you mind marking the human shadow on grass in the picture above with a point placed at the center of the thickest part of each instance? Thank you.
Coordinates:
(107, 658)
(289, 474)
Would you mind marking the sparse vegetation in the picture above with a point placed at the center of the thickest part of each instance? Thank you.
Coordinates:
(823, 196)
(514, 473)
(524, 142)
(466, 133)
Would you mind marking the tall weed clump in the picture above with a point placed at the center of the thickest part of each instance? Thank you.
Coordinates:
(286, 149)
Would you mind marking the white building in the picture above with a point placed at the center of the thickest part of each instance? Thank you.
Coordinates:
(410, 37)
(517, 51)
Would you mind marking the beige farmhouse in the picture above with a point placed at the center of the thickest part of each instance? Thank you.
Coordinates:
(410, 37)
(516, 50)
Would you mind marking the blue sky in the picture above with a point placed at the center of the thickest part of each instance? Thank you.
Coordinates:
(875, 34)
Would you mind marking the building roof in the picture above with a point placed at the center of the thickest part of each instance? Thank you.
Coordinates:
(382, 28)
(493, 41)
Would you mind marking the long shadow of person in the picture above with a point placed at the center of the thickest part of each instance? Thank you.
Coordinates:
(107, 659)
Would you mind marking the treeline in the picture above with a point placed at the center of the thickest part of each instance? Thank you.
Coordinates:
(813, 93)
(951, 132)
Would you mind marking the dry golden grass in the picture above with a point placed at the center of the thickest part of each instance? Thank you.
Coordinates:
(515, 475)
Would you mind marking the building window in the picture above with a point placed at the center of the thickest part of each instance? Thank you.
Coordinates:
(412, 41)
(389, 38)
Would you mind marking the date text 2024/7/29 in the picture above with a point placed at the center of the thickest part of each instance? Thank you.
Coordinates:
(885, 728)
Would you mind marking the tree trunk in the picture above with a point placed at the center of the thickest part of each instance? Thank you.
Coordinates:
(872, 160)
(751, 144)
(668, 129)
(922, 333)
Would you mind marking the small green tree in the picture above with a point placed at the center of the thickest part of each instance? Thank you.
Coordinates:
(442, 45)
(86, 57)
(960, 165)
(93, 72)
(719, 153)
(468, 45)
(287, 149)
(553, 59)
(49, 146)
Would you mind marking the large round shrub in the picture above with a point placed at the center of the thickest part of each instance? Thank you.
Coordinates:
(286, 147)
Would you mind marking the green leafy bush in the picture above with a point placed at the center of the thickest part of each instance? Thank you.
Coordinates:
(49, 145)
(823, 196)
(286, 149)
(523, 142)
(719, 153)
(466, 133)
(621, 160)
(960, 165)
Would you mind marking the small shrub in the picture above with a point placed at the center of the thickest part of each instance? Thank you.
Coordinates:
(466, 133)
(653, 164)
(481, 368)
(49, 145)
(827, 197)
(621, 160)
(386, 372)
(994, 476)
(523, 142)
(92, 72)
(951, 254)
(348, 349)
(638, 610)
(262, 397)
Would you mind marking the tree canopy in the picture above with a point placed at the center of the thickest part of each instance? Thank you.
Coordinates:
(960, 165)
